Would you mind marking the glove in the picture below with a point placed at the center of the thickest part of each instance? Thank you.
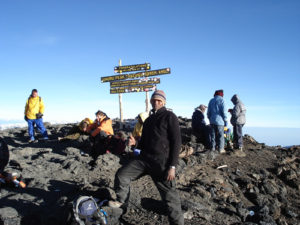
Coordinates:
(225, 123)
(39, 115)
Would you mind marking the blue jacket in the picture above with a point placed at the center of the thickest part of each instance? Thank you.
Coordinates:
(216, 112)
(198, 121)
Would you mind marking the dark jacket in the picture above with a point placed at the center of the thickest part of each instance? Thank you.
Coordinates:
(4, 155)
(161, 139)
(198, 121)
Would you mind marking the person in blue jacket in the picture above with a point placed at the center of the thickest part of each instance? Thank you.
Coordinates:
(200, 129)
(216, 114)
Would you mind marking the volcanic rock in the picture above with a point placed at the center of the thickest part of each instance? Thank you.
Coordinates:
(261, 187)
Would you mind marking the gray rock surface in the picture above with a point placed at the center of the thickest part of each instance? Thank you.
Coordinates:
(265, 180)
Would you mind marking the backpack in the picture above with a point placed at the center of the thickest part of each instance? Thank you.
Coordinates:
(86, 211)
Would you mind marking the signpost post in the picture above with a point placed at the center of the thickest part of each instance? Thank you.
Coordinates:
(120, 101)
(142, 81)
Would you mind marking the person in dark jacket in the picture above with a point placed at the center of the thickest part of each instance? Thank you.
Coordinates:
(200, 129)
(160, 145)
(238, 119)
(4, 155)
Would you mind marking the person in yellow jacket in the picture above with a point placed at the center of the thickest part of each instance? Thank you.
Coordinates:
(34, 111)
(100, 130)
(138, 128)
(77, 130)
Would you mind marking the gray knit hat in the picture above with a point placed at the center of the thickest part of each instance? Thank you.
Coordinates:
(160, 95)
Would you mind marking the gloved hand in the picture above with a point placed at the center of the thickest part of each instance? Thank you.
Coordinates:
(39, 115)
(225, 123)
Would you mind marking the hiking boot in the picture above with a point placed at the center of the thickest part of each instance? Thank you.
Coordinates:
(222, 151)
(115, 204)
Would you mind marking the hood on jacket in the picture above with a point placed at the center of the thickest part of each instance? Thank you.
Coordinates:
(143, 116)
(235, 99)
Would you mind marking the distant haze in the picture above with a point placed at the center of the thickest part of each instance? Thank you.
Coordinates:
(275, 136)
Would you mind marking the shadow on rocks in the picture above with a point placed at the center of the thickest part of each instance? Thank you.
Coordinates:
(155, 206)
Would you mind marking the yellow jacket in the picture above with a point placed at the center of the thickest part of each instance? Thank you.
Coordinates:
(88, 121)
(138, 128)
(33, 106)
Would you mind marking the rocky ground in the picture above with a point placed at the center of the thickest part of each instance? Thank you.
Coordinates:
(214, 189)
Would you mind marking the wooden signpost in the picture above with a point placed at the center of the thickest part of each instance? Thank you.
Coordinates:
(140, 81)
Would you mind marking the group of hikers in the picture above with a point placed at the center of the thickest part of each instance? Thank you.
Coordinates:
(212, 135)
(157, 136)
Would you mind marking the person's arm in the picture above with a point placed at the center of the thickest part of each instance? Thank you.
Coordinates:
(236, 111)
(175, 144)
(42, 106)
(91, 127)
(104, 126)
(26, 107)
(224, 112)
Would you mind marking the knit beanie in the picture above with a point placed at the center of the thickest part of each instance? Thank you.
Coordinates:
(160, 95)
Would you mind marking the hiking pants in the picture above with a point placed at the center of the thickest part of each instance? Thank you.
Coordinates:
(136, 169)
(40, 126)
(217, 136)
(238, 135)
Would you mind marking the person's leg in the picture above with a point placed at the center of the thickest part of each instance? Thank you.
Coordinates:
(239, 134)
(170, 196)
(207, 137)
(235, 139)
(133, 170)
(31, 129)
(220, 137)
(213, 137)
(41, 128)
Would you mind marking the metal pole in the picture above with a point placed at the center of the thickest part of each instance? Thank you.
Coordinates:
(120, 101)
(147, 101)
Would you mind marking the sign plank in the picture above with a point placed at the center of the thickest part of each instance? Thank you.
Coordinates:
(129, 68)
(136, 75)
(130, 89)
(142, 81)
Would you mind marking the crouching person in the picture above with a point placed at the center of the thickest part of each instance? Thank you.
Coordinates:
(77, 130)
(160, 144)
(100, 130)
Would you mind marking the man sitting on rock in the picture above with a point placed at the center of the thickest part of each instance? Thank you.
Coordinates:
(200, 129)
(160, 144)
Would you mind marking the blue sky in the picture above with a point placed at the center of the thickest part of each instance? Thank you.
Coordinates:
(62, 48)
